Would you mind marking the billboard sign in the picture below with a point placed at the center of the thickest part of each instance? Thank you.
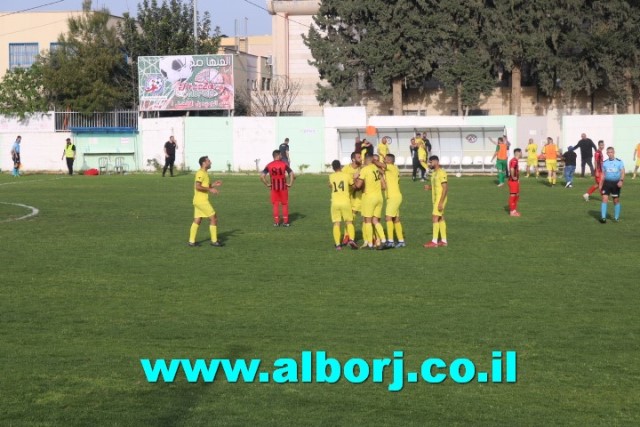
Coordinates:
(185, 82)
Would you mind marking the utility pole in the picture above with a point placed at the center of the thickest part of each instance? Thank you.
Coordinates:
(195, 26)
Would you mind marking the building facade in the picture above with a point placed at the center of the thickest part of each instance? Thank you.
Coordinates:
(25, 35)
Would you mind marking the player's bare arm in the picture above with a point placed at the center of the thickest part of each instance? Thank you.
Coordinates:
(443, 196)
(263, 178)
(203, 189)
(358, 183)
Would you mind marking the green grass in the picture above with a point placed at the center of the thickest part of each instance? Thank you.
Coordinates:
(102, 277)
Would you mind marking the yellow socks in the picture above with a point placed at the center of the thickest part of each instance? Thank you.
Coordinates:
(336, 234)
(192, 232)
(399, 231)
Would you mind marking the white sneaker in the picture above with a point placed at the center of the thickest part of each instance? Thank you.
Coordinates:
(585, 196)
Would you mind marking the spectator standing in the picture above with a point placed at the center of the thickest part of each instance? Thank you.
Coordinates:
(169, 155)
(69, 153)
(587, 148)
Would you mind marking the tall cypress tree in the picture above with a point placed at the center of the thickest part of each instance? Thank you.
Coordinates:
(464, 64)
(373, 44)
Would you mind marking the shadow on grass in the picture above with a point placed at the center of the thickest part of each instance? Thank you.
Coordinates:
(596, 215)
(222, 237)
(295, 216)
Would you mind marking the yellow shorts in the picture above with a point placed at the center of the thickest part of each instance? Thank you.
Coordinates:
(341, 211)
(638, 161)
(203, 210)
(532, 161)
(393, 206)
(356, 204)
(372, 206)
(552, 165)
(435, 211)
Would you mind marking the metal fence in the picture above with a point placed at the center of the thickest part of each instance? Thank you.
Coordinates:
(113, 119)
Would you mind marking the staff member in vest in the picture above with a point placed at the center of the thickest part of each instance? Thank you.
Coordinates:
(611, 185)
(501, 154)
(69, 153)
(169, 155)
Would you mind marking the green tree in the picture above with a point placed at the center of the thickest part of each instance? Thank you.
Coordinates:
(522, 34)
(167, 29)
(374, 44)
(87, 72)
(463, 64)
(594, 48)
(21, 92)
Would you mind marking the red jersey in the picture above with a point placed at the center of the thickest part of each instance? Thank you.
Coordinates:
(278, 171)
(599, 158)
(513, 164)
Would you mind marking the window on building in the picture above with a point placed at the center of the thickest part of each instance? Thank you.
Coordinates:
(54, 46)
(22, 55)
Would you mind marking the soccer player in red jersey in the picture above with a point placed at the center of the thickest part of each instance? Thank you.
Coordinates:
(278, 172)
(599, 159)
(514, 183)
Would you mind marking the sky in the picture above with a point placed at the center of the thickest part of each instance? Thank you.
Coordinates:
(223, 12)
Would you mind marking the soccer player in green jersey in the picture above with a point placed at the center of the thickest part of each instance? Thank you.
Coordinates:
(340, 184)
(439, 190)
(201, 206)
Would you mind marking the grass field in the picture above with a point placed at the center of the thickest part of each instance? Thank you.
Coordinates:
(102, 277)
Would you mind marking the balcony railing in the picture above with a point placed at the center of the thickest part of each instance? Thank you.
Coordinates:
(113, 119)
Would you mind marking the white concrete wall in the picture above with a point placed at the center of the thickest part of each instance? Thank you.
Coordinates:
(41, 147)
(255, 137)
(154, 133)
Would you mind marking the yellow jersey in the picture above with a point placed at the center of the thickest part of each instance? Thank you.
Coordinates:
(351, 171)
(438, 177)
(383, 150)
(372, 178)
(392, 179)
(422, 153)
(340, 187)
(532, 150)
(198, 196)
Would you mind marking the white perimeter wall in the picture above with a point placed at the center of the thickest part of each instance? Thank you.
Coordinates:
(253, 137)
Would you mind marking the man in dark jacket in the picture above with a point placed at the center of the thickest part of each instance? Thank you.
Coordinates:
(587, 148)
(569, 166)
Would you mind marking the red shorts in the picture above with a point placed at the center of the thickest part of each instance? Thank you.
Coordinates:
(514, 187)
(280, 196)
(597, 176)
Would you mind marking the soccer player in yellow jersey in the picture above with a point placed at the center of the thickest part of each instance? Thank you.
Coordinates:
(439, 191)
(383, 147)
(371, 180)
(201, 206)
(550, 151)
(394, 200)
(355, 195)
(340, 184)
(422, 156)
(636, 157)
(532, 157)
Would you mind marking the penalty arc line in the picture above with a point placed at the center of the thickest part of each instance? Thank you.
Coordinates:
(34, 212)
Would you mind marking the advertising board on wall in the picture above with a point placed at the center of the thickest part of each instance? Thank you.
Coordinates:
(185, 82)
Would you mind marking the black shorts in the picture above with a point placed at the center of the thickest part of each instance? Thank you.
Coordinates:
(610, 188)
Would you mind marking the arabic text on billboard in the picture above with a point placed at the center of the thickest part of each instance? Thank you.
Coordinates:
(186, 82)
